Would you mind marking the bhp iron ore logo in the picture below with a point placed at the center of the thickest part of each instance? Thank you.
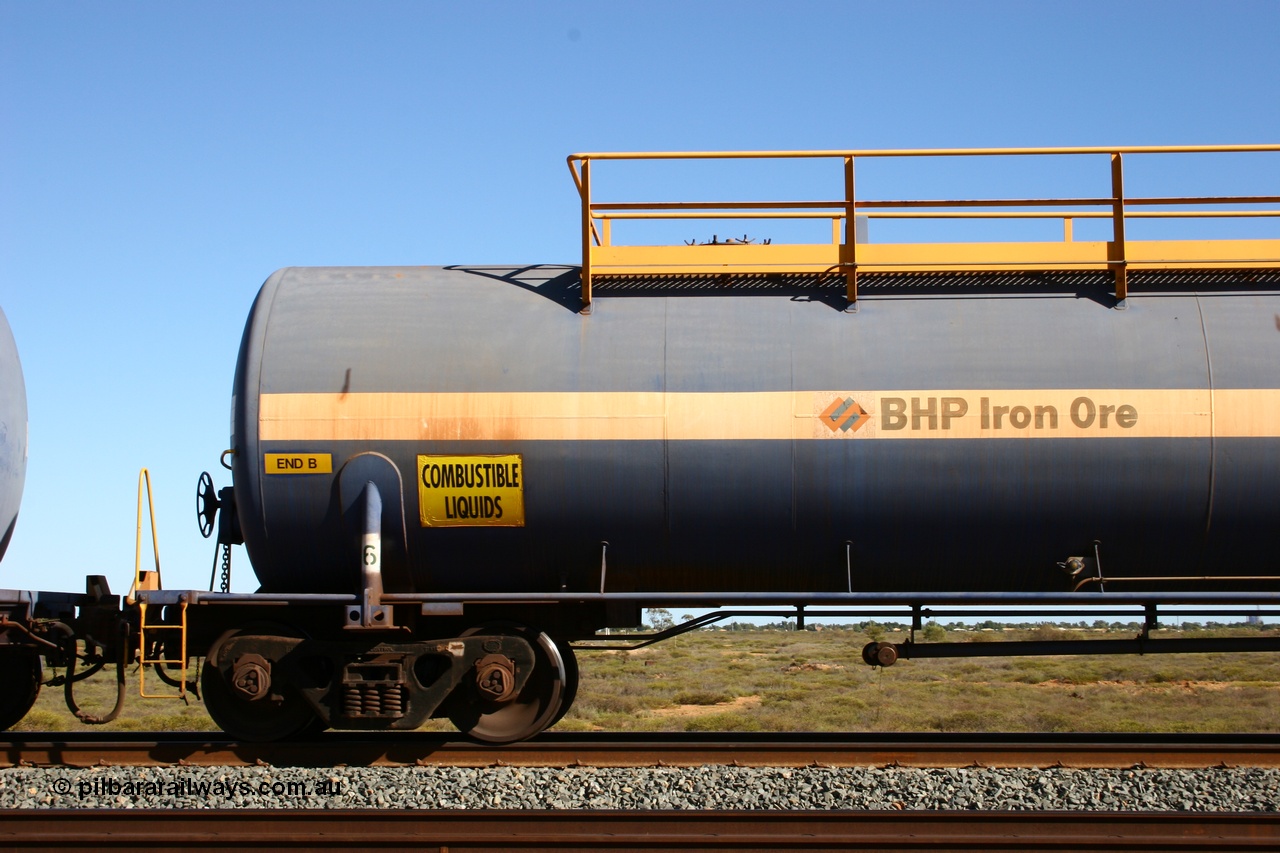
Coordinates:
(844, 415)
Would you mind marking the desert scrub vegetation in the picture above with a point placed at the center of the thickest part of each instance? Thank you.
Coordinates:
(768, 680)
(776, 680)
(97, 695)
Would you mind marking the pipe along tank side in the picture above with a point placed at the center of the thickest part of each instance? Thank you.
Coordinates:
(745, 442)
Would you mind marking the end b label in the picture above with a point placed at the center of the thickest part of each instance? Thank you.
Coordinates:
(298, 463)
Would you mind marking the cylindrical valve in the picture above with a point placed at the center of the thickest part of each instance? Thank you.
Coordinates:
(879, 654)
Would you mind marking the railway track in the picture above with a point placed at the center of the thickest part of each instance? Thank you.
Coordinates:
(87, 749)
(663, 828)
(477, 831)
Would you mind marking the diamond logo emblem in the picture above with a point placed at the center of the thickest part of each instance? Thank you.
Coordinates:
(844, 415)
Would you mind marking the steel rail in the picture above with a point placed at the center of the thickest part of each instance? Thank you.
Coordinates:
(84, 749)
(495, 830)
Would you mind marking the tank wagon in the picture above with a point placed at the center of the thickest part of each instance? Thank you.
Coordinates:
(751, 443)
(447, 477)
(13, 433)
(17, 666)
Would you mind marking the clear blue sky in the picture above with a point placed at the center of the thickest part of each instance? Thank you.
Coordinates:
(159, 160)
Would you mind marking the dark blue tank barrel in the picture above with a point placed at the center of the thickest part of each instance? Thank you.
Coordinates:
(13, 433)
(731, 441)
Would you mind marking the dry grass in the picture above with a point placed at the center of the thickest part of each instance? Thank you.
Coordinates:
(815, 681)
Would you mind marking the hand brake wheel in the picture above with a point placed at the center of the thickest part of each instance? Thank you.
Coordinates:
(207, 504)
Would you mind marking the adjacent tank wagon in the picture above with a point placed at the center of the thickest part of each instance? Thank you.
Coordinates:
(20, 669)
(43, 627)
(13, 433)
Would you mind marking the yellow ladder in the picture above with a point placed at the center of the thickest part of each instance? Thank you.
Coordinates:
(150, 580)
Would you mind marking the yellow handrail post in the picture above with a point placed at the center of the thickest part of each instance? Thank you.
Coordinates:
(1119, 264)
(587, 225)
(850, 236)
(144, 479)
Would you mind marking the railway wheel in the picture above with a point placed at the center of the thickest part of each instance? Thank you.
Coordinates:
(278, 713)
(570, 679)
(537, 705)
(21, 674)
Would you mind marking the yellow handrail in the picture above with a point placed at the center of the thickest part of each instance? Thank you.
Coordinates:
(139, 582)
(601, 257)
(917, 152)
(978, 214)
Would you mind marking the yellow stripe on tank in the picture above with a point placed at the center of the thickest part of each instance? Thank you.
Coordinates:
(1246, 413)
(804, 415)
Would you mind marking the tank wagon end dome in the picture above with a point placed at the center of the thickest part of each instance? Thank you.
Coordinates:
(13, 433)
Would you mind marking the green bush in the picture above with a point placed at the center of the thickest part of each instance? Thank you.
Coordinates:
(730, 722)
(934, 633)
(702, 697)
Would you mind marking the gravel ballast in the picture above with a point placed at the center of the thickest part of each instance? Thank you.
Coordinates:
(707, 787)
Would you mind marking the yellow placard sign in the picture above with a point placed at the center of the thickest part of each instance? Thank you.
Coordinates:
(298, 463)
(471, 491)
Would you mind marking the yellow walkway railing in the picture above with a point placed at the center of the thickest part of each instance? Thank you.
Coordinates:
(845, 256)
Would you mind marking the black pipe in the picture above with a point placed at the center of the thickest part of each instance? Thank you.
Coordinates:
(1136, 646)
